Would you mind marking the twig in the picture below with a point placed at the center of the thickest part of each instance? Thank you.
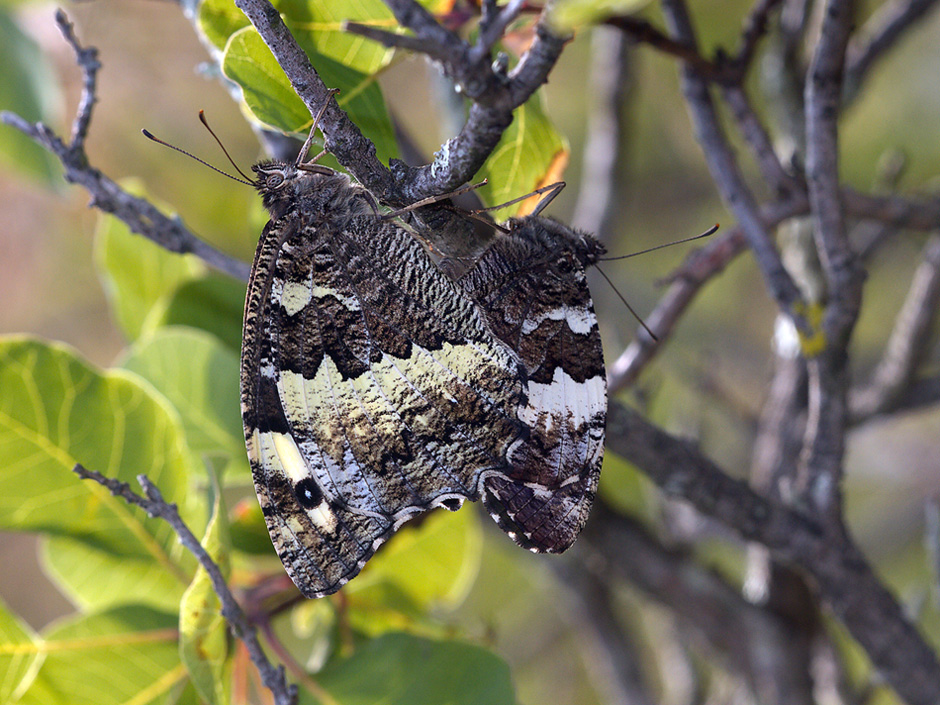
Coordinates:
(493, 24)
(138, 214)
(908, 341)
(878, 36)
(844, 579)
(87, 60)
(794, 24)
(725, 70)
(705, 263)
(155, 506)
(342, 137)
(608, 648)
(494, 97)
(932, 544)
(641, 30)
(755, 26)
(777, 178)
(820, 474)
(764, 648)
(391, 40)
(724, 170)
(601, 188)
(699, 267)
(443, 46)
(897, 211)
(822, 99)
(781, 427)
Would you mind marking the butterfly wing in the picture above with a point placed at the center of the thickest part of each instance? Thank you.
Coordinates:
(532, 288)
(371, 391)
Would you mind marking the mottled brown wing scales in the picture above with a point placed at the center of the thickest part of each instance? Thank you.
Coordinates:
(375, 388)
(372, 389)
(531, 285)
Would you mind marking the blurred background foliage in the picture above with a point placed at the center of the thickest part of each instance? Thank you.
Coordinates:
(708, 383)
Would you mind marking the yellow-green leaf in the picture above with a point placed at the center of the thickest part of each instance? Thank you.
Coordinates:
(56, 411)
(318, 27)
(203, 631)
(127, 655)
(429, 565)
(530, 154)
(273, 102)
(21, 655)
(138, 276)
(199, 376)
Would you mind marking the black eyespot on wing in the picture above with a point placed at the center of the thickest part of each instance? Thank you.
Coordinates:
(308, 493)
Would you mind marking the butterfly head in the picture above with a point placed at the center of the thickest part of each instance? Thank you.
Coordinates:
(570, 249)
(282, 184)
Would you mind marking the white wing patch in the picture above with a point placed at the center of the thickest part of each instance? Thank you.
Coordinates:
(564, 400)
(580, 320)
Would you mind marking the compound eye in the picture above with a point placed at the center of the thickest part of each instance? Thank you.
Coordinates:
(565, 264)
(274, 180)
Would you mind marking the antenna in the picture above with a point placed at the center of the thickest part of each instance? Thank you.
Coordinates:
(552, 189)
(149, 136)
(629, 307)
(643, 252)
(202, 119)
(708, 232)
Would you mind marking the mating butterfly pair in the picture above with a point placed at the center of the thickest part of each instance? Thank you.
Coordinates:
(376, 387)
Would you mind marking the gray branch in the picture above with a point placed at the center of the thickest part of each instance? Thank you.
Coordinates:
(141, 216)
(702, 265)
(724, 168)
(908, 342)
(878, 36)
(766, 649)
(843, 578)
(155, 506)
(494, 96)
(601, 182)
(820, 474)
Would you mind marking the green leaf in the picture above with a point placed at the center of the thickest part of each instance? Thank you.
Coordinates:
(203, 630)
(211, 302)
(56, 411)
(273, 102)
(429, 565)
(21, 655)
(96, 578)
(399, 669)
(220, 19)
(138, 276)
(127, 655)
(249, 533)
(625, 488)
(29, 89)
(318, 27)
(530, 154)
(567, 15)
(199, 376)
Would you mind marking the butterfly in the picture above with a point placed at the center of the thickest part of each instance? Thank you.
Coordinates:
(531, 285)
(375, 387)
